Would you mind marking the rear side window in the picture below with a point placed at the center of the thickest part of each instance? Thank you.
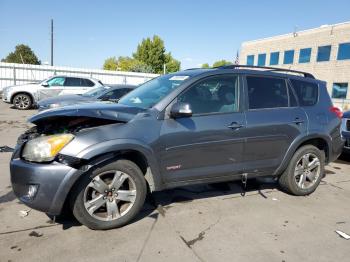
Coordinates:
(306, 92)
(72, 81)
(87, 82)
(266, 92)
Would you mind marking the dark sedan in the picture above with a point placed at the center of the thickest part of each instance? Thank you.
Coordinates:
(102, 93)
(346, 131)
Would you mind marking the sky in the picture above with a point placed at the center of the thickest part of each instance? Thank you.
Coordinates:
(195, 32)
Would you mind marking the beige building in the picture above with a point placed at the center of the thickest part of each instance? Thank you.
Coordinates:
(323, 51)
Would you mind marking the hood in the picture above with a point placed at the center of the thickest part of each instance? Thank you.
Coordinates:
(63, 100)
(24, 86)
(346, 114)
(99, 110)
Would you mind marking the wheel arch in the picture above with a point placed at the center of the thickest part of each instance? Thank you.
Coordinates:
(320, 141)
(22, 92)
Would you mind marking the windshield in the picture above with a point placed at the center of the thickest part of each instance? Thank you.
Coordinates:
(151, 92)
(95, 91)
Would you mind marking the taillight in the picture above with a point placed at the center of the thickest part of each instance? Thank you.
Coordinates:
(336, 111)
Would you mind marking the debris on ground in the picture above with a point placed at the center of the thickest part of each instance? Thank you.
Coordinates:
(274, 199)
(35, 234)
(24, 213)
(4, 149)
(342, 234)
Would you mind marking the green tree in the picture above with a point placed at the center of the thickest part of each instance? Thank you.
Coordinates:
(171, 64)
(206, 65)
(151, 52)
(22, 54)
(222, 62)
(110, 63)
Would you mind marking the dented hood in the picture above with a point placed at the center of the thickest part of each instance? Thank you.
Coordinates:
(101, 110)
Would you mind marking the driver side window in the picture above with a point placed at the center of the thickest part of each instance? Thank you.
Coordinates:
(56, 81)
(217, 94)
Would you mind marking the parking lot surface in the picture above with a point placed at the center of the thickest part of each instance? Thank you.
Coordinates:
(197, 223)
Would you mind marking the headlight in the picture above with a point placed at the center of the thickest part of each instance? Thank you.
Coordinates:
(45, 148)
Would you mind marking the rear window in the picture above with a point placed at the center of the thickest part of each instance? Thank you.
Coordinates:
(266, 92)
(87, 82)
(306, 92)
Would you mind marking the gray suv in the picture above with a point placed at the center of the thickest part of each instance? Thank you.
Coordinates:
(194, 126)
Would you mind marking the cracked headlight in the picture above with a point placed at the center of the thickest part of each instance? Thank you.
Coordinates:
(45, 148)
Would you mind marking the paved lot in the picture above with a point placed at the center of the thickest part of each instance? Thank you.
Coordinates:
(201, 223)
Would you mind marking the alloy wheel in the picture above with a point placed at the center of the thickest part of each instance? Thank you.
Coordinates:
(307, 171)
(110, 195)
(21, 101)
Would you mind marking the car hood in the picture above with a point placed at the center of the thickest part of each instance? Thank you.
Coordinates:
(22, 87)
(346, 114)
(64, 100)
(99, 110)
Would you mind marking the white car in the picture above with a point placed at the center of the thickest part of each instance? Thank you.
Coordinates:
(25, 96)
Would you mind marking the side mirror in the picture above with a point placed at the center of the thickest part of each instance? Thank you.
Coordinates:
(179, 110)
(45, 84)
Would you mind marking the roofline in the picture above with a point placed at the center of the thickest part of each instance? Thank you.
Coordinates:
(298, 32)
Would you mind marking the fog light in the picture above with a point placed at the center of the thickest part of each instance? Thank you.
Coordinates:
(32, 190)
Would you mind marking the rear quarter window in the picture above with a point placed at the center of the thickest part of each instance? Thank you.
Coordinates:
(306, 92)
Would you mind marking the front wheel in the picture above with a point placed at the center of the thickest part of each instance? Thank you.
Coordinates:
(304, 172)
(22, 101)
(111, 196)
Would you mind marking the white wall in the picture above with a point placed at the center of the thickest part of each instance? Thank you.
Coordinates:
(11, 74)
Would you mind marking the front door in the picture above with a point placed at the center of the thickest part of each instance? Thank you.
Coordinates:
(210, 143)
(53, 87)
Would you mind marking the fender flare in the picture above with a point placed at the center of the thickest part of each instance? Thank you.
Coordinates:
(296, 144)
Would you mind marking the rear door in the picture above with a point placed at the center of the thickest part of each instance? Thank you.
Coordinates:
(73, 85)
(274, 121)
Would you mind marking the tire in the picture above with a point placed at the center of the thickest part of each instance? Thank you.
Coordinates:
(115, 210)
(296, 179)
(22, 101)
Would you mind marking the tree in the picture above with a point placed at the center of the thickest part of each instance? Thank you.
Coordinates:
(206, 65)
(222, 62)
(110, 63)
(22, 54)
(171, 64)
(151, 52)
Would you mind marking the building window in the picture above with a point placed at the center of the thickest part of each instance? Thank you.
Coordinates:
(274, 58)
(304, 55)
(340, 90)
(344, 51)
(324, 53)
(288, 57)
(250, 60)
(261, 59)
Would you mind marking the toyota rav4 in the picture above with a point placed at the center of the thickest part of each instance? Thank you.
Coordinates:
(194, 126)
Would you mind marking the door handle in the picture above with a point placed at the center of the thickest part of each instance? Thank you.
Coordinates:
(298, 121)
(235, 125)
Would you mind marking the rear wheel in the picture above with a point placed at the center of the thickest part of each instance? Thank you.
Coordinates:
(304, 172)
(22, 101)
(111, 196)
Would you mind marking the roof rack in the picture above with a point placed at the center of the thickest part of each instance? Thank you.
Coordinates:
(270, 69)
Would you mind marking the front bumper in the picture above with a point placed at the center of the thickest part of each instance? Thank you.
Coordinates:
(53, 181)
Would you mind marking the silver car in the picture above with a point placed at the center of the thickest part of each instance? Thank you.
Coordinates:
(26, 96)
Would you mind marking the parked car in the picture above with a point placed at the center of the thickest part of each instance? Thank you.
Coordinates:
(103, 93)
(26, 96)
(346, 131)
(190, 127)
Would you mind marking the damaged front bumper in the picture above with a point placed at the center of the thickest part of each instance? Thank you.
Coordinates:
(43, 187)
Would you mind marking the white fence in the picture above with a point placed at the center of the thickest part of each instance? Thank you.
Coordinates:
(16, 74)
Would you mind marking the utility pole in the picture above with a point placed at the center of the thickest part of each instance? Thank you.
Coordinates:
(51, 42)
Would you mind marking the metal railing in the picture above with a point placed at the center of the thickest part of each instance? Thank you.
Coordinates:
(15, 74)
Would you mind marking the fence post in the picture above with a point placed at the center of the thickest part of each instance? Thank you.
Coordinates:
(124, 79)
(90, 74)
(14, 75)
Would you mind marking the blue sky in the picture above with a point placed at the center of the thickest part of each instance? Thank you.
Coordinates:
(87, 32)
